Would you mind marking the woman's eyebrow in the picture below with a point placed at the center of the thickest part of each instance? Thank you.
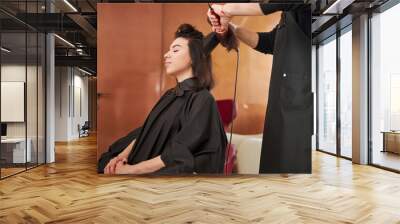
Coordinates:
(176, 45)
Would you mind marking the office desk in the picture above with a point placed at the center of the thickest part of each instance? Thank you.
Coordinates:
(391, 141)
(13, 150)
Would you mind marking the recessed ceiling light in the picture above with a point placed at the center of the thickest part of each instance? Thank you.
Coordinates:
(64, 40)
(5, 50)
(70, 5)
(337, 7)
(84, 71)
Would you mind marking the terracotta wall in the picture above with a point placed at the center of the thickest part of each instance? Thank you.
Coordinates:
(132, 39)
(129, 67)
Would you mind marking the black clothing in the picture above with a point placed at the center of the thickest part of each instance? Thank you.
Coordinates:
(300, 12)
(184, 128)
(286, 146)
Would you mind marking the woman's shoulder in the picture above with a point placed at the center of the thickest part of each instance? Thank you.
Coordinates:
(203, 94)
(202, 98)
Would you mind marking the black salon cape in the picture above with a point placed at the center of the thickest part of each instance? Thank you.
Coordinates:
(184, 128)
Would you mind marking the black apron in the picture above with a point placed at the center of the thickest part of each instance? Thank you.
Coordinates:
(288, 128)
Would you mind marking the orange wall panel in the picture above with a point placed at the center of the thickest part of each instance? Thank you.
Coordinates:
(129, 67)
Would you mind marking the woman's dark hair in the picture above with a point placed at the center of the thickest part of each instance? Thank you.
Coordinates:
(201, 60)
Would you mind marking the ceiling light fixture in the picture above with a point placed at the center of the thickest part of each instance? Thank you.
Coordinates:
(70, 5)
(337, 7)
(84, 71)
(64, 40)
(5, 50)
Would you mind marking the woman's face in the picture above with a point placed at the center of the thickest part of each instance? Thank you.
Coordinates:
(177, 60)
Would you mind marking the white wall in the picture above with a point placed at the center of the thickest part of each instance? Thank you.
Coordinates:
(79, 117)
(70, 83)
(33, 127)
(61, 103)
(16, 73)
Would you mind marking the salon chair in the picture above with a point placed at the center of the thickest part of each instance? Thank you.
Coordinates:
(228, 112)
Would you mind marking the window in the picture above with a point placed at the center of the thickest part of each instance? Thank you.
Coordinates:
(385, 88)
(22, 78)
(346, 93)
(327, 96)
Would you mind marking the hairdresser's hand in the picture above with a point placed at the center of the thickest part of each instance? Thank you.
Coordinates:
(219, 10)
(219, 25)
(111, 166)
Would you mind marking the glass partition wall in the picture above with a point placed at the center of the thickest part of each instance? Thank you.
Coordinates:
(334, 91)
(346, 75)
(327, 96)
(22, 87)
(385, 89)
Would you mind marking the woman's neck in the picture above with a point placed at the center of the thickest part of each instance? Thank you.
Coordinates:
(184, 75)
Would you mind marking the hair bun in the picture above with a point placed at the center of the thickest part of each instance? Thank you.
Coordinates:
(188, 31)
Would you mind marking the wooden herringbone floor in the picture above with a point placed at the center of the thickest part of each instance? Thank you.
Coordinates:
(70, 191)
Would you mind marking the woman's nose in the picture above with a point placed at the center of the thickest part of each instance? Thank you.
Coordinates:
(166, 55)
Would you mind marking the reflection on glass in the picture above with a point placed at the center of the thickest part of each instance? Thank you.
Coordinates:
(385, 86)
(41, 99)
(327, 97)
(31, 101)
(14, 146)
(346, 94)
(22, 90)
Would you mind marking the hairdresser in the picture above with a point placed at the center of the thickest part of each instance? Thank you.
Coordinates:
(288, 127)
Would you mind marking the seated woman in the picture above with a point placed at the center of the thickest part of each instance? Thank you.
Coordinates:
(183, 134)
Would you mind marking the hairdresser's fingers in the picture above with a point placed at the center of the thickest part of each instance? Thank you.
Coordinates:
(217, 9)
(220, 30)
(225, 21)
(214, 20)
(211, 16)
(216, 28)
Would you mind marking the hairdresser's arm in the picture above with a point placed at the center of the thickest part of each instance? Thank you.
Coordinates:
(228, 10)
(248, 37)
(148, 166)
(238, 9)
